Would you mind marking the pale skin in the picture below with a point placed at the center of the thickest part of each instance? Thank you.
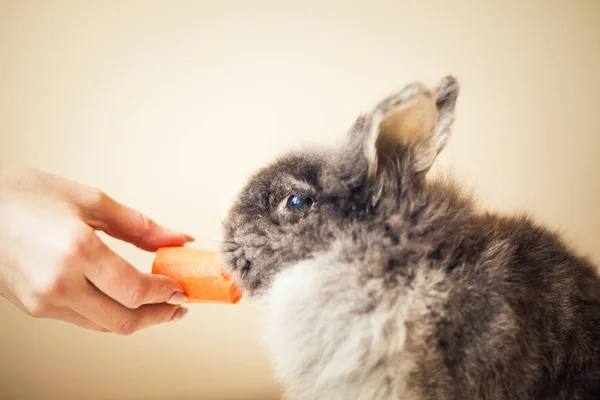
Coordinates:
(54, 265)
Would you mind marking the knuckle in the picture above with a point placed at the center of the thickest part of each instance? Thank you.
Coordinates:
(95, 197)
(137, 296)
(36, 308)
(77, 245)
(129, 326)
(94, 204)
(46, 288)
(74, 251)
(147, 225)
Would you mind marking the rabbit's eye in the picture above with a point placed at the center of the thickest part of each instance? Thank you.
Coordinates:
(299, 202)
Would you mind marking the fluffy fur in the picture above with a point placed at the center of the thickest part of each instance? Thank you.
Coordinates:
(389, 286)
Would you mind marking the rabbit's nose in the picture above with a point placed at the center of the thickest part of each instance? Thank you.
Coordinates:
(246, 267)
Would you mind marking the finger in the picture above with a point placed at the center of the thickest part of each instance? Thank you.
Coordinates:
(127, 285)
(70, 316)
(107, 313)
(102, 212)
(57, 313)
(99, 210)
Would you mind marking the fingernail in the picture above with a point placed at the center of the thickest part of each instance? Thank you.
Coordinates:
(177, 298)
(187, 237)
(180, 313)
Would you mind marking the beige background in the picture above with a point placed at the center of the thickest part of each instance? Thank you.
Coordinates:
(168, 106)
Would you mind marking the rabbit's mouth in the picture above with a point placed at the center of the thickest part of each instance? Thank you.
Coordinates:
(244, 266)
(235, 260)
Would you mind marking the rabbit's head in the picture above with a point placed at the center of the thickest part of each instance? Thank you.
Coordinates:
(300, 204)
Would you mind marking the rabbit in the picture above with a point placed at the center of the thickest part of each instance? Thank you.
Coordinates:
(375, 281)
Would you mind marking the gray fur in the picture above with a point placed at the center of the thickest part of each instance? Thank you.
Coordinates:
(392, 286)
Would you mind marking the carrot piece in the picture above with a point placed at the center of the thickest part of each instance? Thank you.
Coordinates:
(198, 272)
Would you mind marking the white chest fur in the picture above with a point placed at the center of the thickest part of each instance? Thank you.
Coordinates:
(334, 335)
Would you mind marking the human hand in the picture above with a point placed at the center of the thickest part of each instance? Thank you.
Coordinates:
(54, 265)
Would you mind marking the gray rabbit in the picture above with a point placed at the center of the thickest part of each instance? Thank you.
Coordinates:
(377, 283)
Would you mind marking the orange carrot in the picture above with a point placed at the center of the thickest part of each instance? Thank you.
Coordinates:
(198, 272)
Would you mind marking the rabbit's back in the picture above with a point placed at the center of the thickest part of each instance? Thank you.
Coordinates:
(522, 318)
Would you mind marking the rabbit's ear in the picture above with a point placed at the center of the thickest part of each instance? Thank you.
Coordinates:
(414, 122)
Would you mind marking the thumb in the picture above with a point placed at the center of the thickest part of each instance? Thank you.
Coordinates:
(103, 213)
